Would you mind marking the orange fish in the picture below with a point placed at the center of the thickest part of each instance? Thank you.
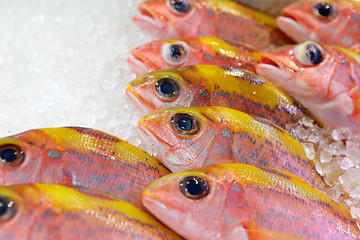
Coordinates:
(163, 54)
(203, 18)
(186, 138)
(239, 201)
(78, 156)
(55, 212)
(209, 85)
(333, 22)
(324, 79)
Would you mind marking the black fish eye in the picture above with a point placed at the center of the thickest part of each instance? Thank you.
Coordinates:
(167, 89)
(185, 124)
(323, 10)
(11, 155)
(314, 54)
(194, 187)
(179, 6)
(175, 53)
(7, 209)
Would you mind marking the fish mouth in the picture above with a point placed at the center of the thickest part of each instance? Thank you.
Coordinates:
(137, 65)
(289, 24)
(148, 18)
(137, 100)
(268, 60)
(153, 145)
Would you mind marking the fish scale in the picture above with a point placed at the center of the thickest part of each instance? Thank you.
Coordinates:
(82, 157)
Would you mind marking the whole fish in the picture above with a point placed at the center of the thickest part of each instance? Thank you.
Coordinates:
(78, 156)
(162, 54)
(239, 201)
(209, 85)
(203, 18)
(187, 138)
(324, 79)
(41, 211)
(333, 22)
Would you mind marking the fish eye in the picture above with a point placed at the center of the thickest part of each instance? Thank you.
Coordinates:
(309, 53)
(324, 10)
(194, 187)
(179, 6)
(167, 89)
(175, 53)
(7, 209)
(185, 124)
(11, 155)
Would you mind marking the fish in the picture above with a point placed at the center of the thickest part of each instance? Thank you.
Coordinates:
(162, 54)
(186, 138)
(324, 79)
(209, 85)
(240, 201)
(224, 19)
(49, 211)
(77, 156)
(329, 22)
(272, 7)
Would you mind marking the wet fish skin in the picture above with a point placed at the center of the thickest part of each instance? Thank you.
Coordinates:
(224, 19)
(272, 7)
(84, 157)
(224, 135)
(42, 211)
(156, 55)
(209, 85)
(245, 202)
(301, 21)
(328, 88)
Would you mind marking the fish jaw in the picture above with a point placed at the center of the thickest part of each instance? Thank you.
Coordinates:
(137, 100)
(299, 33)
(137, 66)
(151, 21)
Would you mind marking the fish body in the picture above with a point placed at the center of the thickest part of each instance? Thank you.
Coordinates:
(78, 156)
(330, 22)
(209, 85)
(324, 79)
(162, 54)
(239, 201)
(187, 138)
(42, 211)
(202, 18)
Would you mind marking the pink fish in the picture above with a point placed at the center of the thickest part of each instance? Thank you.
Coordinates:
(224, 19)
(333, 22)
(325, 80)
(163, 54)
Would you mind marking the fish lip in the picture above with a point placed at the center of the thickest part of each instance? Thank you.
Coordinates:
(269, 60)
(160, 149)
(137, 66)
(137, 100)
(147, 15)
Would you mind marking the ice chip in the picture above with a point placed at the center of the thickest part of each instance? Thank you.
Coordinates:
(346, 163)
(341, 134)
(309, 150)
(325, 156)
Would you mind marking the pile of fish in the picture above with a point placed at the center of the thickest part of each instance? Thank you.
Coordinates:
(219, 97)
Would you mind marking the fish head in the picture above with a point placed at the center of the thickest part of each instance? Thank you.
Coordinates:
(18, 207)
(175, 87)
(170, 18)
(180, 137)
(158, 55)
(191, 202)
(323, 21)
(303, 71)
